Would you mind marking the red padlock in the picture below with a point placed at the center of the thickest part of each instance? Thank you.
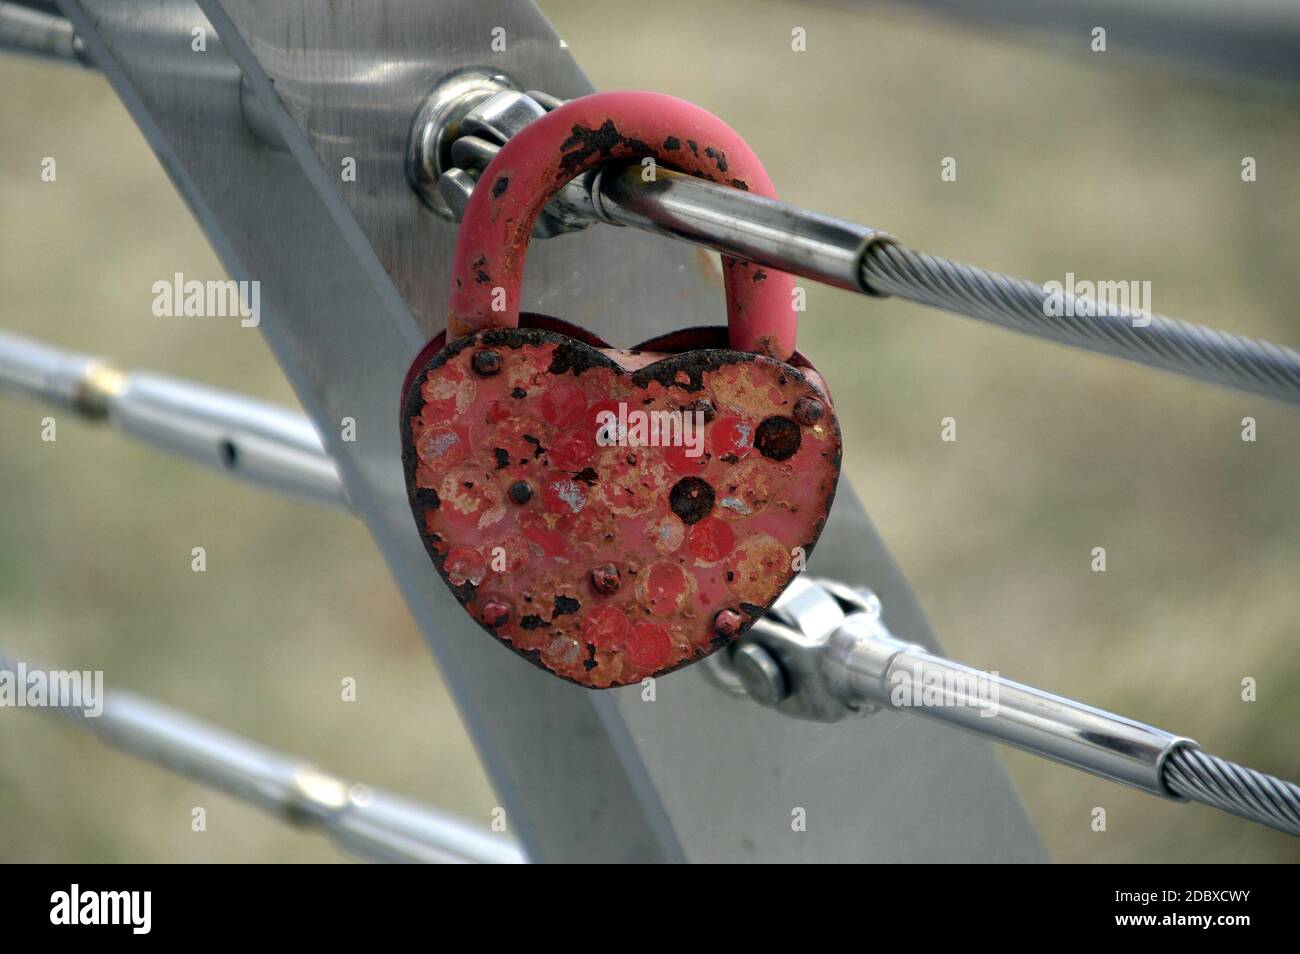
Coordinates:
(613, 514)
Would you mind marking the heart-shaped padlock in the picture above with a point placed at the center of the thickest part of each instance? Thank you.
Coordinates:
(613, 514)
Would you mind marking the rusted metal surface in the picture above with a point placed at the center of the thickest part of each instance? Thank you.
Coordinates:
(609, 562)
(612, 515)
(579, 136)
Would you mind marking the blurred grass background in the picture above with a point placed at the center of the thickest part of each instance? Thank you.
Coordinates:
(1064, 164)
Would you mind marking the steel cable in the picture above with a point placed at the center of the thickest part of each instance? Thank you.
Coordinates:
(1187, 772)
(1230, 787)
(369, 823)
(1167, 343)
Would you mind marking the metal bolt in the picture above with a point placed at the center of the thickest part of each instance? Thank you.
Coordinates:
(728, 622)
(605, 578)
(486, 362)
(808, 411)
(520, 492)
(760, 674)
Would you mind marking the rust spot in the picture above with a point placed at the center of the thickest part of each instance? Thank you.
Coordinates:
(672, 144)
(486, 362)
(574, 360)
(777, 438)
(687, 371)
(604, 578)
(691, 499)
(583, 142)
(499, 187)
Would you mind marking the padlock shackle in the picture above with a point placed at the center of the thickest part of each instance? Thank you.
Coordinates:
(535, 164)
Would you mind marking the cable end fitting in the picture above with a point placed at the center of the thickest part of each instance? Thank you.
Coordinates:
(872, 241)
(100, 384)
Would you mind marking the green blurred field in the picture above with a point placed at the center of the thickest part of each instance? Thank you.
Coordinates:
(1062, 166)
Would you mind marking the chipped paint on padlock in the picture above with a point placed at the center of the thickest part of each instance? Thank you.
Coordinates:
(601, 558)
(609, 562)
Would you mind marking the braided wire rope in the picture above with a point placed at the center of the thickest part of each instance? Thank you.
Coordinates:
(1230, 787)
(1154, 340)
